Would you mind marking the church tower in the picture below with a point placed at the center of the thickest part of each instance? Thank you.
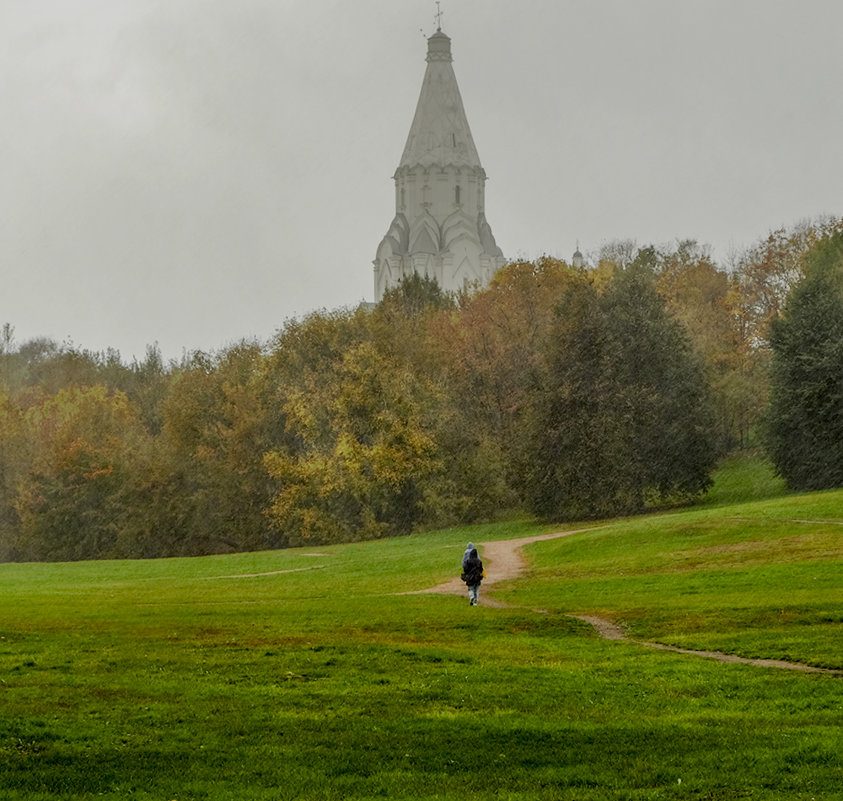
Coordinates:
(440, 227)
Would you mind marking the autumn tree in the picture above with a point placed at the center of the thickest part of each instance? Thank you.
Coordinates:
(13, 463)
(39, 368)
(218, 421)
(414, 326)
(76, 499)
(767, 271)
(761, 277)
(492, 349)
(361, 447)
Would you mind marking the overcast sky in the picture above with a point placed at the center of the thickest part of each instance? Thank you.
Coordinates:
(193, 172)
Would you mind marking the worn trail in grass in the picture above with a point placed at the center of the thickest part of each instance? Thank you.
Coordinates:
(506, 562)
(505, 559)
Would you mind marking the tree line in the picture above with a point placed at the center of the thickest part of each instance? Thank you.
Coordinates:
(571, 393)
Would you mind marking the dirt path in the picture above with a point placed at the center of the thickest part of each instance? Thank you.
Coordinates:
(269, 573)
(504, 560)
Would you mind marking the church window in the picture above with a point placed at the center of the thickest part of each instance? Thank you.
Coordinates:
(457, 195)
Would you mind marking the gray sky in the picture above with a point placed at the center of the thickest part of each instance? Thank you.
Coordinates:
(192, 172)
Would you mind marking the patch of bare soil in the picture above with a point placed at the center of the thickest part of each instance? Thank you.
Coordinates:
(605, 628)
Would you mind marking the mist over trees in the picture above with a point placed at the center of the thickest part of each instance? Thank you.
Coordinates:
(569, 393)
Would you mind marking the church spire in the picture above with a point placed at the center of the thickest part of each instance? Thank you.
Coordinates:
(440, 228)
(440, 134)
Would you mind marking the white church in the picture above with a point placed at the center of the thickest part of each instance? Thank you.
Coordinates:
(440, 228)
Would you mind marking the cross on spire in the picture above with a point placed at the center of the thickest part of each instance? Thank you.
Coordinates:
(438, 17)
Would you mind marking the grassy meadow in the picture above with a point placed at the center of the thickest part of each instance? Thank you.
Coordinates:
(302, 674)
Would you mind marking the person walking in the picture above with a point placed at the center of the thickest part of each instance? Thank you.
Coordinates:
(472, 575)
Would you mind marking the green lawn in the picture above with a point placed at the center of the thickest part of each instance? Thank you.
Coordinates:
(745, 476)
(190, 679)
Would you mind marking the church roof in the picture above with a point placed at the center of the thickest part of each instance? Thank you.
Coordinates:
(439, 135)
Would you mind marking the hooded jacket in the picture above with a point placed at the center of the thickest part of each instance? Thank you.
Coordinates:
(467, 553)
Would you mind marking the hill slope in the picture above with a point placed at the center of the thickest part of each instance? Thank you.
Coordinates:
(304, 674)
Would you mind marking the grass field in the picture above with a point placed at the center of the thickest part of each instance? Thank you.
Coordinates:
(197, 679)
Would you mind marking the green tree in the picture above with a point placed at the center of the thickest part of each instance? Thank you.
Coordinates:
(805, 416)
(622, 419)
(662, 389)
(697, 294)
(414, 297)
(569, 453)
(147, 383)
